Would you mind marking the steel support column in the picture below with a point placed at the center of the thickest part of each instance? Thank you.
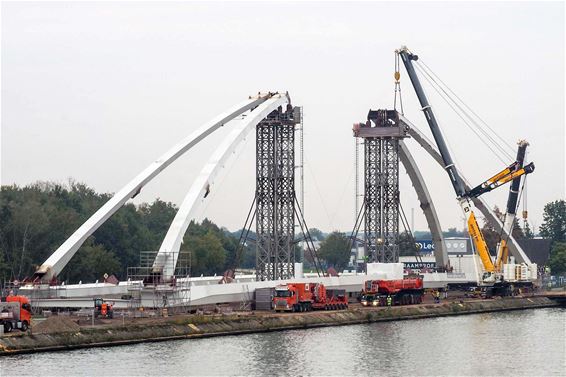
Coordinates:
(381, 134)
(390, 200)
(275, 195)
(373, 196)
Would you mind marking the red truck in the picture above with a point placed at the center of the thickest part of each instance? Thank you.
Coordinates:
(303, 297)
(401, 292)
(15, 313)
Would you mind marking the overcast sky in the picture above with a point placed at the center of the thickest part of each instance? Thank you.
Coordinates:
(97, 91)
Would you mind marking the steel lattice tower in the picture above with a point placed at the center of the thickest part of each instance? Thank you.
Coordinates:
(389, 250)
(381, 134)
(275, 195)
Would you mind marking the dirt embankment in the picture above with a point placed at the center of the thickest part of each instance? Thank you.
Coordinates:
(63, 333)
(56, 324)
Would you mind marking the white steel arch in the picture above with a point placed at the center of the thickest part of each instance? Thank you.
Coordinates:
(220, 161)
(426, 203)
(59, 259)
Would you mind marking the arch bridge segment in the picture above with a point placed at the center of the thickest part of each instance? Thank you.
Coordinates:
(220, 161)
(59, 259)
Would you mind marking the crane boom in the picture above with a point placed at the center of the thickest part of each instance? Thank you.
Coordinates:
(514, 188)
(511, 173)
(479, 243)
(456, 180)
(510, 211)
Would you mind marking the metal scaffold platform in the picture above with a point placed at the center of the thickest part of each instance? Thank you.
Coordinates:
(147, 280)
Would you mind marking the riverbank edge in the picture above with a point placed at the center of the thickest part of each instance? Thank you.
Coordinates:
(190, 327)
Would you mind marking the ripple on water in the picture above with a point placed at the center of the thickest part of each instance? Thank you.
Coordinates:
(528, 342)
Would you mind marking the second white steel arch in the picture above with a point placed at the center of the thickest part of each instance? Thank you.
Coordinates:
(59, 259)
(222, 157)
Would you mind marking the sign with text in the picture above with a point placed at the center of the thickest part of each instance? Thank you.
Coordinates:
(419, 265)
(425, 246)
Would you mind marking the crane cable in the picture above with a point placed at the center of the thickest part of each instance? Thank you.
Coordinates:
(468, 107)
(461, 112)
(449, 145)
(503, 146)
(443, 96)
(397, 76)
(525, 210)
(434, 78)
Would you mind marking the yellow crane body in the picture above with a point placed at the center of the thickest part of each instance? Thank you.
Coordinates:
(479, 243)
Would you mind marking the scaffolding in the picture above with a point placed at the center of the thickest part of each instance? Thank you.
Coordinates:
(146, 283)
(275, 194)
(381, 134)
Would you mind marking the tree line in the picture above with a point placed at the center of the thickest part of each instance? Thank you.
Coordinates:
(335, 251)
(36, 219)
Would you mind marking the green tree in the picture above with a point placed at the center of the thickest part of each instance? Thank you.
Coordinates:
(557, 261)
(4, 267)
(207, 254)
(422, 235)
(36, 219)
(491, 236)
(228, 241)
(91, 263)
(527, 231)
(407, 245)
(517, 231)
(554, 221)
(316, 233)
(334, 250)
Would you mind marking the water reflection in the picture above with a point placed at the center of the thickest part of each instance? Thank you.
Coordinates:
(521, 343)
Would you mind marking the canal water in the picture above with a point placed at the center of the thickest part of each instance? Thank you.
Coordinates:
(519, 343)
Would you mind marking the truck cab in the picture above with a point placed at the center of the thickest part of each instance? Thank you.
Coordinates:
(304, 297)
(283, 299)
(294, 297)
(15, 313)
(369, 299)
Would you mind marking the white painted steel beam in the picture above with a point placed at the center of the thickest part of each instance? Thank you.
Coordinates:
(59, 259)
(204, 184)
(479, 202)
(211, 293)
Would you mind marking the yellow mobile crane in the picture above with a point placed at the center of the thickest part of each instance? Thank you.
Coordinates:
(491, 274)
(511, 210)
(511, 173)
